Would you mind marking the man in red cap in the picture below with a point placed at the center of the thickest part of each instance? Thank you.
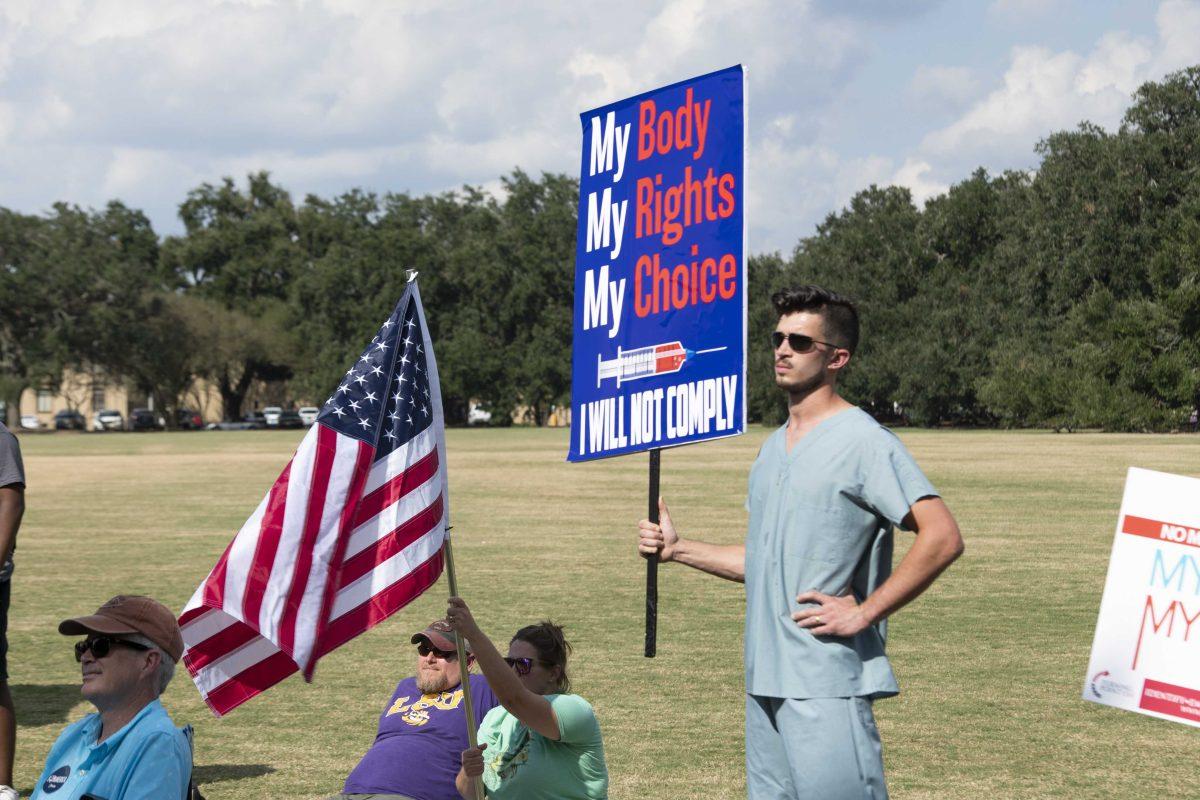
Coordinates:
(129, 749)
(423, 728)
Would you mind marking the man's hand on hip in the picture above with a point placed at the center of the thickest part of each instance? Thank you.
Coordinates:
(832, 616)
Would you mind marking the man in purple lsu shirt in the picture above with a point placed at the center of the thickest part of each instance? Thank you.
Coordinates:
(423, 729)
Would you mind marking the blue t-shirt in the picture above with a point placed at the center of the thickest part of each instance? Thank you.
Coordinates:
(148, 759)
(821, 518)
(418, 750)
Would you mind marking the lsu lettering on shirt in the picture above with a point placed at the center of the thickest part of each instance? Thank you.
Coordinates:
(418, 748)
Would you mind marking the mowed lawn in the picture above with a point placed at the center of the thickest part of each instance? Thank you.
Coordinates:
(991, 661)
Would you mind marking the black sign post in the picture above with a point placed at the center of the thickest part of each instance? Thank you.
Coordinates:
(652, 561)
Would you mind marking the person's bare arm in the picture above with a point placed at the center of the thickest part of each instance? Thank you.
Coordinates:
(472, 768)
(938, 544)
(12, 508)
(532, 709)
(723, 560)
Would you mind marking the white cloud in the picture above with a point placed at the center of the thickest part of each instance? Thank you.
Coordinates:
(1040, 94)
(943, 88)
(875, 11)
(791, 188)
(1118, 63)
(145, 99)
(1178, 24)
(1044, 91)
(1024, 10)
(786, 184)
(915, 175)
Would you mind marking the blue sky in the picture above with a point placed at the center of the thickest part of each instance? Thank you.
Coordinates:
(143, 100)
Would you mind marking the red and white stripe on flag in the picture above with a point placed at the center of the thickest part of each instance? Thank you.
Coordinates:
(349, 533)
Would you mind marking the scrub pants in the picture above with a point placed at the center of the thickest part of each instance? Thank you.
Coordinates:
(817, 749)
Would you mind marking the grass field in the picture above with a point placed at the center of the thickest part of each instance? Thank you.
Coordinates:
(991, 661)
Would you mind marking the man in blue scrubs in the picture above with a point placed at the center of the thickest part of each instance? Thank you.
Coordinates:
(825, 493)
(130, 749)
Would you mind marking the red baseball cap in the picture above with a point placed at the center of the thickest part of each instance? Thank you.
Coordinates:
(439, 634)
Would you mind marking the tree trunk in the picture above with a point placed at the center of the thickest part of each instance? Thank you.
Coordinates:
(11, 389)
(233, 393)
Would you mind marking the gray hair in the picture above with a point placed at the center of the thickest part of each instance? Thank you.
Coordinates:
(166, 667)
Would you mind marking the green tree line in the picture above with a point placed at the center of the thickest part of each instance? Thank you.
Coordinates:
(1067, 296)
(258, 287)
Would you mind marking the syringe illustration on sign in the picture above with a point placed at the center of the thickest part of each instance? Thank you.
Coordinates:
(646, 362)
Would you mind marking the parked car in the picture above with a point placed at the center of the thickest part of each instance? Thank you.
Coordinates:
(30, 422)
(254, 421)
(69, 421)
(188, 420)
(108, 419)
(271, 414)
(250, 422)
(143, 419)
(477, 415)
(308, 415)
(290, 418)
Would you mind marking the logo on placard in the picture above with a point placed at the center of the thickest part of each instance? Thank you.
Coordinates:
(1102, 683)
(56, 780)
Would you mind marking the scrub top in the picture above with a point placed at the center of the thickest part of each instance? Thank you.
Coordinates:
(821, 518)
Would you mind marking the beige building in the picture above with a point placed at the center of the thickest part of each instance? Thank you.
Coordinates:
(89, 393)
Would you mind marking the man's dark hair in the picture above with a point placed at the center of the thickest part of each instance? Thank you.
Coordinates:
(551, 646)
(838, 313)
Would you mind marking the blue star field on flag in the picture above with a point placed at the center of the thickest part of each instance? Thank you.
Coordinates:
(384, 398)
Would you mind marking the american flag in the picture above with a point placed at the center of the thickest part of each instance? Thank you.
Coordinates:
(351, 531)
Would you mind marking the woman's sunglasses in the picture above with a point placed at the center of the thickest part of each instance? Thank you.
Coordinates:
(797, 341)
(424, 650)
(523, 665)
(103, 645)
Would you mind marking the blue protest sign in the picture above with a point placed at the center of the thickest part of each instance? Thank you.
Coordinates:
(660, 280)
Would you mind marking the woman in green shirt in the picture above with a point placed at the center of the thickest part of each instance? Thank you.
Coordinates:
(541, 743)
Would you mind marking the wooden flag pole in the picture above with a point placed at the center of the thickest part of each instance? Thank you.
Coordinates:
(652, 562)
(462, 662)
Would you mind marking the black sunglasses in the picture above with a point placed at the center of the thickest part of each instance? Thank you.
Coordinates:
(524, 665)
(521, 665)
(799, 342)
(102, 645)
(424, 649)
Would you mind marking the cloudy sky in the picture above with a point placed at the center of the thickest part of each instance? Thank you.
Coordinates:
(144, 100)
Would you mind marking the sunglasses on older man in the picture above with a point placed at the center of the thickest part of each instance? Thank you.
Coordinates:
(799, 342)
(103, 645)
(424, 649)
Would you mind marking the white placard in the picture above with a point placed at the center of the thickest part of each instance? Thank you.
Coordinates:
(1146, 654)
